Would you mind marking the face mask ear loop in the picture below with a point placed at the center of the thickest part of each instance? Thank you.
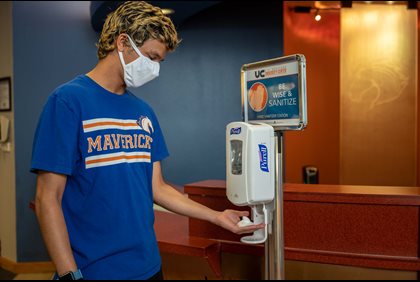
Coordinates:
(121, 59)
(134, 46)
(120, 54)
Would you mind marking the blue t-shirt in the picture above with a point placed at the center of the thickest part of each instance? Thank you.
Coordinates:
(106, 145)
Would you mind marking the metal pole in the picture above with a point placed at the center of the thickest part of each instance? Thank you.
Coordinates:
(274, 247)
(279, 210)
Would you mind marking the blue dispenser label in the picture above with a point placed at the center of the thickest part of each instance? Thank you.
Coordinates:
(263, 157)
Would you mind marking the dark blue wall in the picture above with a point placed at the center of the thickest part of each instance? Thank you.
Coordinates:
(198, 91)
(52, 42)
(196, 95)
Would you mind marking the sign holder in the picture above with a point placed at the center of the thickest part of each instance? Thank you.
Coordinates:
(274, 92)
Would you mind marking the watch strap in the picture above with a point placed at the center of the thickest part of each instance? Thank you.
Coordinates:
(72, 275)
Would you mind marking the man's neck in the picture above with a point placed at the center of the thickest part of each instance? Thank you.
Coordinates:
(107, 73)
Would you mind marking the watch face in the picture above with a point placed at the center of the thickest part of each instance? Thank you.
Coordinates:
(77, 275)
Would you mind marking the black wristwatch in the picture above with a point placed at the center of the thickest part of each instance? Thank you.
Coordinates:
(71, 275)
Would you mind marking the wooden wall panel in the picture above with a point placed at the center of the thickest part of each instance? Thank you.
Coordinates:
(318, 144)
(378, 72)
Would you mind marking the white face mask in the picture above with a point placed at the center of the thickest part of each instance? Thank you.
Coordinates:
(139, 71)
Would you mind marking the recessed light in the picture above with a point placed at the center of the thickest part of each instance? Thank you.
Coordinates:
(167, 11)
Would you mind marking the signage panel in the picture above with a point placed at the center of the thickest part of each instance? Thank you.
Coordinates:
(274, 92)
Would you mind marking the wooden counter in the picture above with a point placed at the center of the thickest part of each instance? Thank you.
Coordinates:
(172, 235)
(375, 227)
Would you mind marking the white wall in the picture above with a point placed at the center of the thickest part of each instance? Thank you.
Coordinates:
(7, 159)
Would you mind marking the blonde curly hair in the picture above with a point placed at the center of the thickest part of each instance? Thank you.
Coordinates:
(141, 21)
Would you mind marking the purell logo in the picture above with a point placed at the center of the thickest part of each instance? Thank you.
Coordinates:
(235, 131)
(263, 157)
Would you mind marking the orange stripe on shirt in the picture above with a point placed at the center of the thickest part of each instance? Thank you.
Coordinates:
(108, 123)
(118, 158)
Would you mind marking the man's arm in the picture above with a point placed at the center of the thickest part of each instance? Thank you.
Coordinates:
(171, 199)
(50, 189)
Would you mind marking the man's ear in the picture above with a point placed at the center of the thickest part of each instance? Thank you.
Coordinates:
(121, 42)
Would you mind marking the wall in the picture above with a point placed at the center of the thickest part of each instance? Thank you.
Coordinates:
(195, 97)
(198, 91)
(418, 99)
(318, 144)
(7, 160)
(52, 42)
(378, 69)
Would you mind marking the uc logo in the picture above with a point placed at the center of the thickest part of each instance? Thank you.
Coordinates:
(260, 73)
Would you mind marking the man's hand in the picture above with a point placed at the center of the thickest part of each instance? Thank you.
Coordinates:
(229, 219)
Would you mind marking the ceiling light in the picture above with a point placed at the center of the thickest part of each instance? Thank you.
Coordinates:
(166, 11)
(317, 16)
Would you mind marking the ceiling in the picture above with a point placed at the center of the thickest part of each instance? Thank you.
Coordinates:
(183, 10)
(338, 4)
(186, 9)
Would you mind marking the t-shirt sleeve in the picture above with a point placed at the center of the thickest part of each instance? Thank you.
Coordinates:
(159, 149)
(56, 138)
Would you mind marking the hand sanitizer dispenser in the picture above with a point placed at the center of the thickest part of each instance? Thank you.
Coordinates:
(250, 171)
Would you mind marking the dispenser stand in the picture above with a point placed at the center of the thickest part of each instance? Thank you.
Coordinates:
(274, 246)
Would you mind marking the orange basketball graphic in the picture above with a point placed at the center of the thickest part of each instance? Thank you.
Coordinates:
(257, 97)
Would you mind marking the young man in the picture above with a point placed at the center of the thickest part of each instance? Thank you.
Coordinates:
(97, 152)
